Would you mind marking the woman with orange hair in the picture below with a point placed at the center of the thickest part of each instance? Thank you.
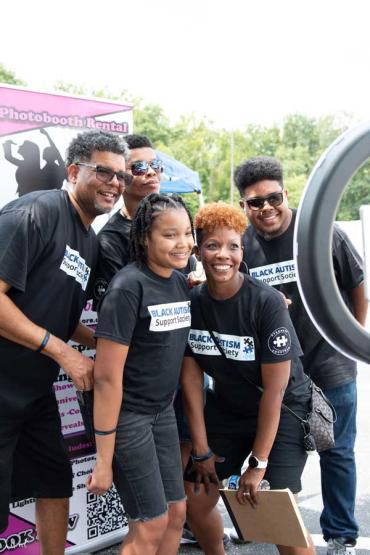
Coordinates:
(242, 336)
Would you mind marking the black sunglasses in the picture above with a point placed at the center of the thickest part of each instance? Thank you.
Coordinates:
(141, 167)
(105, 175)
(257, 203)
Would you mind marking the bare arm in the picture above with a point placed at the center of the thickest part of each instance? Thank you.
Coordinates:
(192, 392)
(274, 381)
(108, 373)
(84, 335)
(192, 378)
(359, 303)
(15, 326)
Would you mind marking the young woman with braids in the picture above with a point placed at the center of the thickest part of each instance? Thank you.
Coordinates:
(144, 321)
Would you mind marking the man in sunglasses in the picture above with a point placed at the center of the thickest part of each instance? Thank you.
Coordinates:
(268, 254)
(48, 252)
(145, 169)
(114, 238)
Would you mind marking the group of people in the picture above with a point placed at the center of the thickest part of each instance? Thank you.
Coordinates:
(157, 331)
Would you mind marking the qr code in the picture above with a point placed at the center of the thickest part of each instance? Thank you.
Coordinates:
(105, 513)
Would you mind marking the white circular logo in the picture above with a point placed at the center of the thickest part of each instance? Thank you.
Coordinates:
(279, 341)
(100, 287)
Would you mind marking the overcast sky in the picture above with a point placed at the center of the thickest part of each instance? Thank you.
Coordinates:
(235, 62)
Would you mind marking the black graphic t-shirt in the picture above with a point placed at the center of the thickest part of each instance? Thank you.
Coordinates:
(47, 256)
(114, 254)
(272, 262)
(253, 327)
(151, 314)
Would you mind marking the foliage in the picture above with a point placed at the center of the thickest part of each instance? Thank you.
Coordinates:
(298, 143)
(9, 77)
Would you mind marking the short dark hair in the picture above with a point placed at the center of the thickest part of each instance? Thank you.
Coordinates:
(257, 169)
(138, 141)
(82, 146)
(148, 209)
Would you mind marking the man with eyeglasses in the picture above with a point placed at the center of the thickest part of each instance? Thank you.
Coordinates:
(48, 253)
(268, 254)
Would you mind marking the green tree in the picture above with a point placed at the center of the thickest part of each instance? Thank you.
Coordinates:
(7, 76)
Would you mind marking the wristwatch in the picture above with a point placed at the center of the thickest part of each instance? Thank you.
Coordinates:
(254, 462)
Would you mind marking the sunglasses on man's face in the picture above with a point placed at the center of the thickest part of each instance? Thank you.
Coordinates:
(257, 203)
(105, 175)
(141, 167)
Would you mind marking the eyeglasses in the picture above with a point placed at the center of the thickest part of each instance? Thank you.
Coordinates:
(257, 203)
(105, 175)
(141, 167)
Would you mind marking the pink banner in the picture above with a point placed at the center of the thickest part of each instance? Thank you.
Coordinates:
(22, 110)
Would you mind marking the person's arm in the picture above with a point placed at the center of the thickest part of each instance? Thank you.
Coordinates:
(359, 303)
(15, 326)
(275, 377)
(192, 393)
(57, 154)
(108, 373)
(84, 335)
(7, 146)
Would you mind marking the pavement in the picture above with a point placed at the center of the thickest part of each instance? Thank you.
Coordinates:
(310, 502)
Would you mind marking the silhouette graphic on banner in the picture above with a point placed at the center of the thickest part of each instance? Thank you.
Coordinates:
(30, 176)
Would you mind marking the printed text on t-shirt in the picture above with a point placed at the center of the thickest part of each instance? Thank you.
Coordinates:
(169, 316)
(234, 346)
(275, 274)
(74, 265)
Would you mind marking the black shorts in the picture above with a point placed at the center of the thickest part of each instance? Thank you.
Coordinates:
(34, 460)
(232, 437)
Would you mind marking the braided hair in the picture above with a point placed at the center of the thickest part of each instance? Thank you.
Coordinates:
(148, 209)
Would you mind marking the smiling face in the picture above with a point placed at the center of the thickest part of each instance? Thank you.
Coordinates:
(269, 221)
(169, 242)
(142, 185)
(90, 196)
(221, 254)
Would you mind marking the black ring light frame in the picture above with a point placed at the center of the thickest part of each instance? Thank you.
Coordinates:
(313, 243)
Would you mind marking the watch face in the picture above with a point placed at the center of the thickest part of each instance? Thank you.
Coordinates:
(253, 462)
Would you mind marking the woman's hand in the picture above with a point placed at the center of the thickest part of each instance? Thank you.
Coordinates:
(248, 486)
(101, 479)
(205, 473)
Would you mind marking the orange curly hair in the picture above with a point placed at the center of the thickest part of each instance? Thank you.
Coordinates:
(219, 214)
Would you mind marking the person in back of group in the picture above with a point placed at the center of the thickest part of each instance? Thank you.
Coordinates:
(114, 238)
(268, 254)
(143, 325)
(48, 253)
(251, 323)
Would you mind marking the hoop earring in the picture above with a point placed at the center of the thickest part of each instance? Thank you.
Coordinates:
(202, 273)
(246, 269)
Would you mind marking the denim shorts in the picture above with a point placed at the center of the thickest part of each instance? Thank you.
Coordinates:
(147, 463)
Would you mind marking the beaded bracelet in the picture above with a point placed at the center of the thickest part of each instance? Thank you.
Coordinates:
(201, 458)
(44, 342)
(107, 433)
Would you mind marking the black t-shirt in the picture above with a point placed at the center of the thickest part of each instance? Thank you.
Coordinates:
(47, 256)
(253, 327)
(114, 253)
(272, 262)
(151, 314)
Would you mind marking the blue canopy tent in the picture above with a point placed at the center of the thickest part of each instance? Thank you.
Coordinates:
(178, 178)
